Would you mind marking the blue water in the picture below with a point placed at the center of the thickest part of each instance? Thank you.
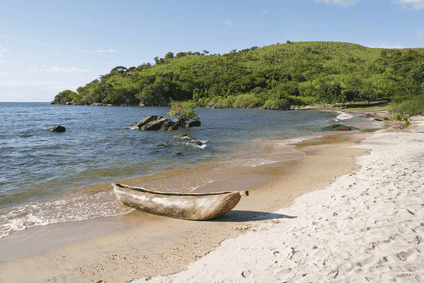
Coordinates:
(38, 166)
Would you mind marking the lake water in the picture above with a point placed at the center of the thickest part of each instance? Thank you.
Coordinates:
(43, 173)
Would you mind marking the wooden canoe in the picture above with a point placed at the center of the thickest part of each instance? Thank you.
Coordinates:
(190, 206)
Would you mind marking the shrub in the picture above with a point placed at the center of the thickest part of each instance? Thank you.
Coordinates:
(183, 111)
(401, 117)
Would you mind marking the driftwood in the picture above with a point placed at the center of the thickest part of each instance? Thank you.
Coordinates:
(190, 206)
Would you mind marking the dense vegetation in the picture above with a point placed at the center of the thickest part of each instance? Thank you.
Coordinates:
(292, 73)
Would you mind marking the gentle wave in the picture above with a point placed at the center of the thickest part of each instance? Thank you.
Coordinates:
(71, 208)
(343, 116)
(293, 141)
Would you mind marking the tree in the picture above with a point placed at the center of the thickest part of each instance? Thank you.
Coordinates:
(64, 96)
(330, 93)
(183, 111)
(169, 55)
(118, 70)
(181, 54)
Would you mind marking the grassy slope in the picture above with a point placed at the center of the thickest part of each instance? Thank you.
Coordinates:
(293, 73)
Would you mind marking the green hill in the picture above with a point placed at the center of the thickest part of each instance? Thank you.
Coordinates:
(296, 73)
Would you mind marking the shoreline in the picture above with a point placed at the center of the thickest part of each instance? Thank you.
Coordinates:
(141, 245)
(367, 226)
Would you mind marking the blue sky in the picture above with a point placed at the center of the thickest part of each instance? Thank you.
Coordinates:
(49, 46)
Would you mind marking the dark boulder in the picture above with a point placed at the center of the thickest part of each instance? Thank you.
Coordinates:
(58, 129)
(156, 123)
(195, 142)
(144, 121)
(339, 127)
(194, 124)
(160, 124)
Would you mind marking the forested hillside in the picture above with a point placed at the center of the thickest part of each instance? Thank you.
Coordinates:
(296, 73)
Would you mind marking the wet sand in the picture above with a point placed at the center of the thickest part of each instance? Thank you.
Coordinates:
(137, 245)
(367, 226)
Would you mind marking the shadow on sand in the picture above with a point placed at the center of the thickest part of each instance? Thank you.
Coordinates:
(248, 215)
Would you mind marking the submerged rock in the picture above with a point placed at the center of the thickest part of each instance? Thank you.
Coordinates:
(194, 124)
(183, 136)
(57, 129)
(195, 142)
(339, 127)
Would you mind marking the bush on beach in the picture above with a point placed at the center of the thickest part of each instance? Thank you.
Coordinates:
(400, 117)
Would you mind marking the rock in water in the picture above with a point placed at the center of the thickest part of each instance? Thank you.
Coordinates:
(144, 121)
(159, 124)
(58, 129)
(194, 124)
(339, 127)
(156, 123)
(178, 122)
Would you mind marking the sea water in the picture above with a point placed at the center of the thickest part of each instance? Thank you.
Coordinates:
(43, 173)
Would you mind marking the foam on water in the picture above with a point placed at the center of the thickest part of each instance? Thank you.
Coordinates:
(74, 207)
(343, 116)
(293, 141)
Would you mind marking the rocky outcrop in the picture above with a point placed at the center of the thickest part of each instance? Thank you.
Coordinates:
(144, 121)
(339, 127)
(160, 124)
(157, 123)
(378, 116)
(57, 129)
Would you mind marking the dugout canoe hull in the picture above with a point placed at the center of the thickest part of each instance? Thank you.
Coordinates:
(189, 206)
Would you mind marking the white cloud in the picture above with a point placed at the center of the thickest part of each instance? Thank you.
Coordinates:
(228, 23)
(341, 2)
(48, 68)
(420, 34)
(20, 81)
(108, 51)
(413, 4)
(2, 50)
(74, 69)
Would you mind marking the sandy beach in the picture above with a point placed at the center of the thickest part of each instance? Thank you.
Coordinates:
(367, 226)
(345, 211)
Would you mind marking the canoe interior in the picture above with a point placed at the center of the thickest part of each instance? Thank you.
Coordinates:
(243, 193)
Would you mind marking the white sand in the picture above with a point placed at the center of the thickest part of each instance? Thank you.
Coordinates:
(367, 226)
